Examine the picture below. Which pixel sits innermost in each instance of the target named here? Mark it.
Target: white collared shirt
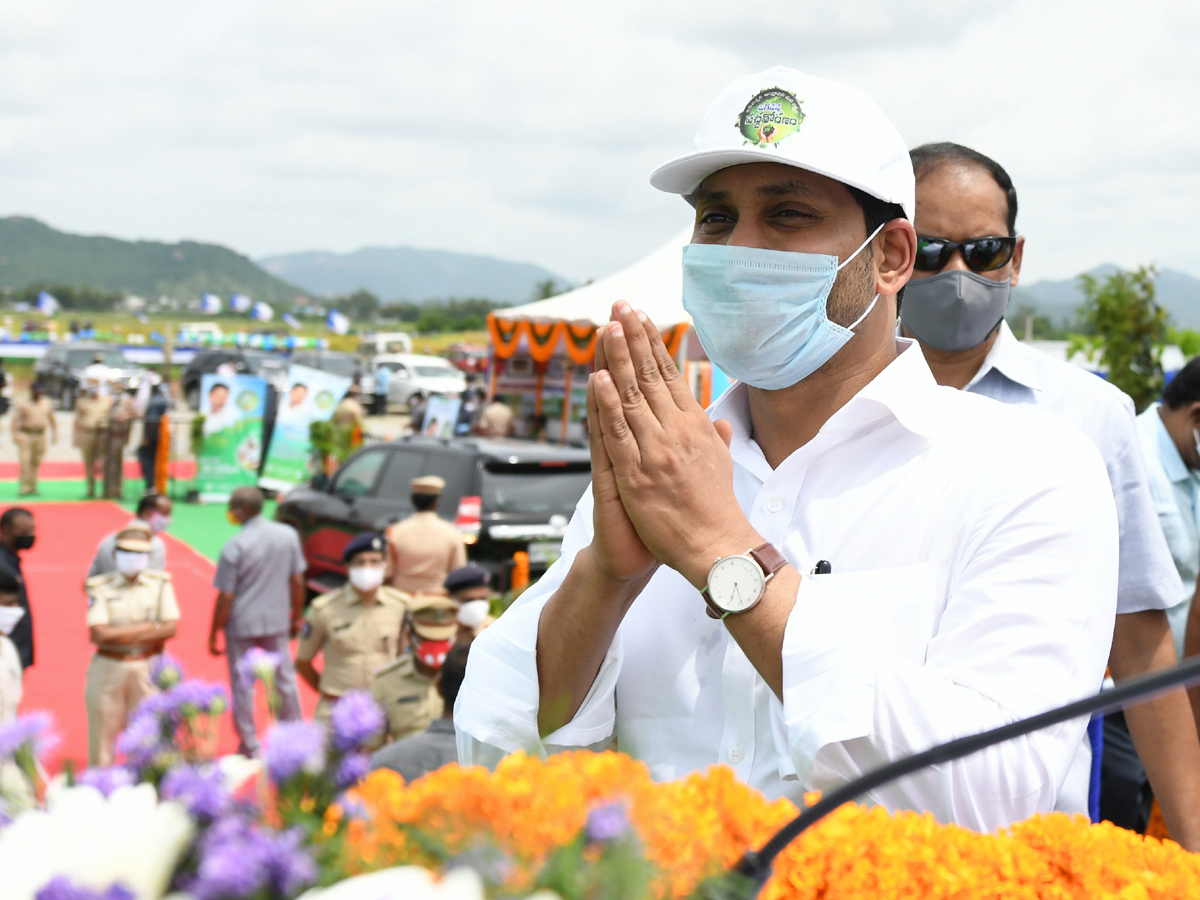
(1175, 490)
(973, 548)
(1017, 373)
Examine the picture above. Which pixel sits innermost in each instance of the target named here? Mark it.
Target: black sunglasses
(980, 254)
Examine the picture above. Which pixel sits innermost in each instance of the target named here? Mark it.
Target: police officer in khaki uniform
(120, 420)
(91, 431)
(131, 613)
(357, 627)
(424, 547)
(31, 417)
(407, 688)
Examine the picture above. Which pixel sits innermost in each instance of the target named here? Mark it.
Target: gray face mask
(954, 311)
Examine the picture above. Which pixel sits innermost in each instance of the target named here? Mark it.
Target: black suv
(61, 369)
(503, 495)
(245, 361)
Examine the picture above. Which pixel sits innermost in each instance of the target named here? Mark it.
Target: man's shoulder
(156, 576)
(1065, 385)
(103, 583)
(393, 597)
(329, 599)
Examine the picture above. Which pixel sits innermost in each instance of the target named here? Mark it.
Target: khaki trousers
(91, 447)
(113, 689)
(31, 448)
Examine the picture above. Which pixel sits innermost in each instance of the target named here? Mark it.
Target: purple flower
(61, 888)
(257, 663)
(607, 822)
(142, 738)
(202, 792)
(353, 769)
(29, 733)
(239, 860)
(356, 720)
(191, 698)
(293, 748)
(107, 780)
(166, 671)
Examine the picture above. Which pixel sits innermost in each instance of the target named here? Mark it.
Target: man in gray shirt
(154, 513)
(260, 603)
(434, 747)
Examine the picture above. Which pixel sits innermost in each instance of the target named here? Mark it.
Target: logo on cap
(769, 117)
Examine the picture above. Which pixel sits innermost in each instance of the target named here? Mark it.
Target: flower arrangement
(310, 822)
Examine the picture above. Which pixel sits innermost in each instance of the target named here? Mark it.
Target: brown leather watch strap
(769, 557)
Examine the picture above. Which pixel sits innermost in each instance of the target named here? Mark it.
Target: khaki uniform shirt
(348, 412)
(33, 415)
(496, 421)
(91, 413)
(113, 600)
(424, 550)
(357, 639)
(410, 699)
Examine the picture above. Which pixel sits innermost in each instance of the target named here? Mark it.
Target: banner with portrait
(311, 396)
(232, 430)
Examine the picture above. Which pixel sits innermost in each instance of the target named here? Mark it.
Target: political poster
(441, 414)
(311, 396)
(231, 450)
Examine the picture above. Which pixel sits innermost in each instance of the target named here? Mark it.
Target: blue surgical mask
(760, 314)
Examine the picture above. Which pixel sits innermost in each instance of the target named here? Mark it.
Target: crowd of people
(398, 629)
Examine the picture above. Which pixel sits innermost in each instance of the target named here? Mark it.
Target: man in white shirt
(968, 256)
(972, 545)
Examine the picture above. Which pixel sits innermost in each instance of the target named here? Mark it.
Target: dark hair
(929, 157)
(878, 212)
(248, 499)
(454, 670)
(147, 503)
(9, 583)
(219, 384)
(424, 502)
(11, 515)
(1184, 388)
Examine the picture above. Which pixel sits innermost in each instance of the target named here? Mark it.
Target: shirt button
(736, 753)
(774, 504)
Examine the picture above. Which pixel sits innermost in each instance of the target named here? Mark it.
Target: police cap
(427, 484)
(134, 539)
(434, 618)
(367, 542)
(468, 576)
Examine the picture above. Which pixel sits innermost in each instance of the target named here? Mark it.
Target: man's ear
(1018, 255)
(895, 252)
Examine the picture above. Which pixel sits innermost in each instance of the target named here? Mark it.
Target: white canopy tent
(653, 284)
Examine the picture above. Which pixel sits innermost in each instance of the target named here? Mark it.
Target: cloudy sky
(526, 130)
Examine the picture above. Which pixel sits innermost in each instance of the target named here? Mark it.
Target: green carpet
(203, 527)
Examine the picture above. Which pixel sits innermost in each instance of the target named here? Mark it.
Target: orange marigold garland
(529, 809)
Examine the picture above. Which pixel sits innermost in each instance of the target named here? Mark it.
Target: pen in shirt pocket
(823, 567)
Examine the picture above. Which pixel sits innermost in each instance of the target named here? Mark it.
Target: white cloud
(527, 129)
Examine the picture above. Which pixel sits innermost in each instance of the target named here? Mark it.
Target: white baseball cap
(785, 116)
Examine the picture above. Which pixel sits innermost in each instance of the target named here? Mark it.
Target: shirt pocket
(895, 609)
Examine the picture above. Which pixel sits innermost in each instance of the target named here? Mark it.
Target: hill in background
(32, 252)
(407, 273)
(1177, 292)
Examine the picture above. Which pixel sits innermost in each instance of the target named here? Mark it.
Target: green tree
(1128, 329)
(361, 306)
(1186, 340)
(544, 290)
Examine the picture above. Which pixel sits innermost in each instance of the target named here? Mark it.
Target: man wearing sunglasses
(968, 257)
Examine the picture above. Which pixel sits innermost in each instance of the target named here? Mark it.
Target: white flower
(237, 770)
(409, 882)
(96, 842)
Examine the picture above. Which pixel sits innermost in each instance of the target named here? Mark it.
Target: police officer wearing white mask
(972, 546)
(968, 258)
(131, 613)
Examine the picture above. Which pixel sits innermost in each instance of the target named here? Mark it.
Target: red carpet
(67, 537)
(72, 469)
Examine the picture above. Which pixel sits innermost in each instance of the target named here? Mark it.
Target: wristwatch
(736, 583)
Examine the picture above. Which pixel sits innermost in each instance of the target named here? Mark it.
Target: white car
(413, 373)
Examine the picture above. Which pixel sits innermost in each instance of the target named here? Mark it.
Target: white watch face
(735, 583)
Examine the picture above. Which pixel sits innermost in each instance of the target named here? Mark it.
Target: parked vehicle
(503, 495)
(346, 365)
(60, 369)
(469, 358)
(412, 373)
(377, 342)
(245, 362)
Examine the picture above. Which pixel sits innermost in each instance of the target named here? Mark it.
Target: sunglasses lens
(987, 254)
(930, 255)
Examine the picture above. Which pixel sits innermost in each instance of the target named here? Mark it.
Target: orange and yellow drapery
(543, 338)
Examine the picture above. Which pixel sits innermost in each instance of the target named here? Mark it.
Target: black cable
(751, 872)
